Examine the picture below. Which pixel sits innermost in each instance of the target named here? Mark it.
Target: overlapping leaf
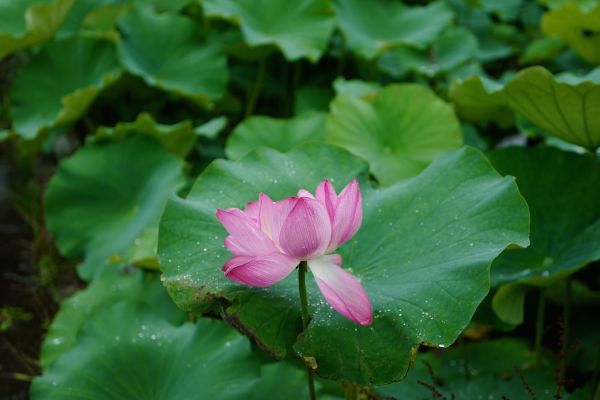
(450, 49)
(301, 29)
(164, 50)
(577, 25)
(479, 371)
(106, 195)
(28, 22)
(372, 27)
(79, 68)
(563, 106)
(422, 254)
(177, 138)
(399, 130)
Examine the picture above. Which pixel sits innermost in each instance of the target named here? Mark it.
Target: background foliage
(472, 126)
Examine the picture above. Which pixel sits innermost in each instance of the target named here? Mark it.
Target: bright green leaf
(301, 29)
(562, 190)
(80, 68)
(104, 196)
(400, 130)
(163, 49)
(278, 134)
(375, 26)
(422, 254)
(29, 22)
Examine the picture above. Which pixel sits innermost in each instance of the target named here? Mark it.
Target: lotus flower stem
(304, 304)
(539, 326)
(565, 331)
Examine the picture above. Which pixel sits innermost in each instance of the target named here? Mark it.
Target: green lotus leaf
(300, 29)
(211, 128)
(451, 48)
(278, 134)
(284, 381)
(163, 49)
(400, 130)
(104, 196)
(475, 101)
(507, 10)
(29, 22)
(578, 26)
(467, 372)
(128, 351)
(562, 106)
(80, 69)
(422, 254)
(508, 301)
(311, 98)
(177, 138)
(562, 190)
(84, 13)
(357, 88)
(372, 27)
(111, 286)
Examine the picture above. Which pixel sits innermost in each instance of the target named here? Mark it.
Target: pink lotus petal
(245, 239)
(265, 214)
(251, 210)
(348, 215)
(305, 193)
(273, 214)
(281, 210)
(341, 289)
(306, 231)
(261, 270)
(325, 193)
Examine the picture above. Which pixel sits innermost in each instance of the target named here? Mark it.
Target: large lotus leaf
(399, 130)
(560, 105)
(127, 351)
(112, 285)
(577, 26)
(479, 371)
(301, 29)
(279, 134)
(164, 50)
(104, 196)
(422, 254)
(79, 68)
(28, 22)
(562, 190)
(375, 26)
(177, 138)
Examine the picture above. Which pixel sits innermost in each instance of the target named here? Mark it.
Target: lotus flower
(270, 238)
